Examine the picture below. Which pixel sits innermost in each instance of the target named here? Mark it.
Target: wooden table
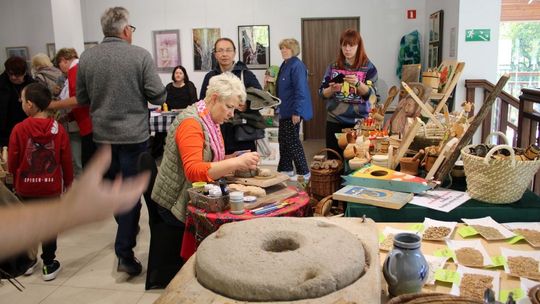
(492, 247)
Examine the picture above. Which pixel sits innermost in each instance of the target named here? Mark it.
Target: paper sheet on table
(440, 199)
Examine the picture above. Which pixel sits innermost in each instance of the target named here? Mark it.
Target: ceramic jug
(405, 268)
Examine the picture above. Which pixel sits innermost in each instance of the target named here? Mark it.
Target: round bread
(279, 259)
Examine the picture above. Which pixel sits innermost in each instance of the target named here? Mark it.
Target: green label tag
(516, 239)
(497, 261)
(444, 252)
(417, 227)
(466, 231)
(448, 276)
(518, 293)
(381, 237)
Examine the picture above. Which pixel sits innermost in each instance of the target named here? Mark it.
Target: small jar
(236, 200)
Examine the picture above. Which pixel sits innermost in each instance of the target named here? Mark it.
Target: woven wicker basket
(324, 182)
(497, 181)
(425, 298)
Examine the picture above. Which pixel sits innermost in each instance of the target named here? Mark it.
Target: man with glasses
(12, 81)
(225, 53)
(117, 79)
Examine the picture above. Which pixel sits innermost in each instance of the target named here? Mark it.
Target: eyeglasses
(132, 28)
(224, 51)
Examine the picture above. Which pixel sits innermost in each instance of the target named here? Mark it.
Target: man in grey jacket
(117, 79)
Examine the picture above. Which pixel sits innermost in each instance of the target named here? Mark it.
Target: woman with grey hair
(47, 74)
(293, 90)
(194, 151)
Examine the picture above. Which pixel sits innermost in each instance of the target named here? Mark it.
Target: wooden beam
(467, 137)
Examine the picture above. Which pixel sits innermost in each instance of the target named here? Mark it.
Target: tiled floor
(89, 267)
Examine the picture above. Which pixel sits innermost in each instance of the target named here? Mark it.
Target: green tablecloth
(525, 210)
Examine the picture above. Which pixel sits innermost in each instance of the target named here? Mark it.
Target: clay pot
(349, 151)
(430, 160)
(409, 165)
(346, 138)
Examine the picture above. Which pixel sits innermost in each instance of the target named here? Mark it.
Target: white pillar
(67, 24)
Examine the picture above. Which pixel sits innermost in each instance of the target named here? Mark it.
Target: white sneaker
(32, 268)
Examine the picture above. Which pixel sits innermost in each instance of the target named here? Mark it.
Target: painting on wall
(254, 42)
(51, 50)
(203, 45)
(166, 49)
(435, 39)
(20, 51)
(90, 44)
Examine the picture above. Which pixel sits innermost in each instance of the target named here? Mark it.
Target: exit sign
(478, 35)
(411, 14)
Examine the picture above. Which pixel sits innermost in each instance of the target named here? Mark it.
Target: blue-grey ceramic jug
(405, 268)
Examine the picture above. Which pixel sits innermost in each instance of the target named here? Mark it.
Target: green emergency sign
(478, 35)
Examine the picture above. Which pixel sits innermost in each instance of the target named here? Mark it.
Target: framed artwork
(435, 38)
(51, 50)
(166, 49)
(203, 48)
(20, 51)
(254, 46)
(90, 44)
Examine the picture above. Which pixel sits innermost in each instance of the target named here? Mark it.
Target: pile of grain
(436, 233)
(470, 257)
(523, 267)
(489, 233)
(531, 236)
(474, 285)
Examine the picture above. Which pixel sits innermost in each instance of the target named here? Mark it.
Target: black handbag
(247, 132)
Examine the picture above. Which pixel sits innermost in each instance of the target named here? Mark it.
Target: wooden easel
(467, 137)
(411, 133)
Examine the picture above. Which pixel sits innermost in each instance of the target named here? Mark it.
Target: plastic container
(236, 200)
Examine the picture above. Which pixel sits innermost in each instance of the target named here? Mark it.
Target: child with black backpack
(40, 161)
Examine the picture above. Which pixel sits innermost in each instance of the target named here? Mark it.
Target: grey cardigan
(117, 79)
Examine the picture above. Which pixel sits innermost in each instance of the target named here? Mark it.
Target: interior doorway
(320, 46)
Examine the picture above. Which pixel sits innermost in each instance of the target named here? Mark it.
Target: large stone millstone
(186, 288)
(279, 259)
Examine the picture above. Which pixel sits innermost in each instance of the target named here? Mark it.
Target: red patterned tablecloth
(200, 224)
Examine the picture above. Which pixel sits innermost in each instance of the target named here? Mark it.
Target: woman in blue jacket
(293, 90)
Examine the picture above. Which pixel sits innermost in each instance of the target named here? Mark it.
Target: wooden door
(320, 46)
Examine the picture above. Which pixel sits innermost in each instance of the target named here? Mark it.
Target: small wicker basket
(324, 182)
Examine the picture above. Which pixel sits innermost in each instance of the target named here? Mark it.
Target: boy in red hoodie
(40, 161)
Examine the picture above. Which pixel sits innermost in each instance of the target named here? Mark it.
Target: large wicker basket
(497, 181)
(428, 298)
(324, 182)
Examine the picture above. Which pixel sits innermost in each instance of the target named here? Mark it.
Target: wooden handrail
(507, 100)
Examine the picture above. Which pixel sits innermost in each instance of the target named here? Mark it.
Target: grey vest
(170, 188)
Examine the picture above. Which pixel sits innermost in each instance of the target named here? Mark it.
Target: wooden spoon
(392, 92)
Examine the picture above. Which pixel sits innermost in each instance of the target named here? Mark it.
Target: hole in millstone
(379, 173)
(281, 244)
(311, 274)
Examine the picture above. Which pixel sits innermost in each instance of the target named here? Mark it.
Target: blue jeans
(124, 161)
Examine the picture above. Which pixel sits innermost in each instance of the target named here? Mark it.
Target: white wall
(383, 22)
(25, 23)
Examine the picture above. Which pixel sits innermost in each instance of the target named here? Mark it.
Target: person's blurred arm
(91, 198)
(192, 92)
